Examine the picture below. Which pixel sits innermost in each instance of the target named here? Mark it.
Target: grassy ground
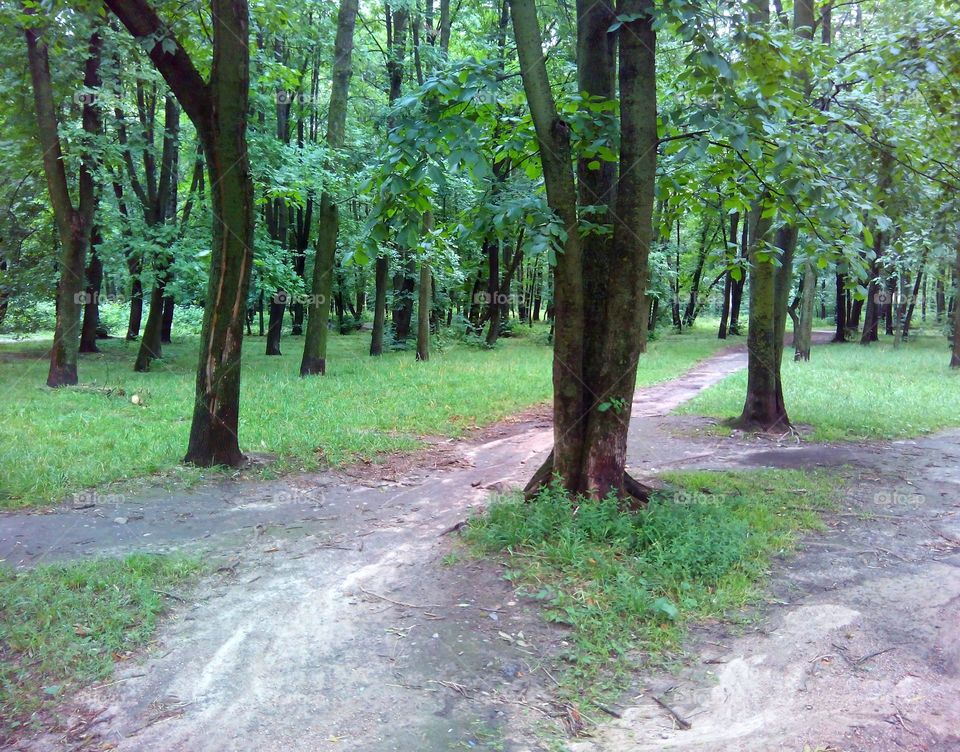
(850, 392)
(57, 442)
(628, 583)
(65, 624)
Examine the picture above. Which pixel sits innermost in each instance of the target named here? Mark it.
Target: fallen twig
(680, 720)
(391, 600)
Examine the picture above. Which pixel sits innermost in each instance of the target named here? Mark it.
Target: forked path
(338, 620)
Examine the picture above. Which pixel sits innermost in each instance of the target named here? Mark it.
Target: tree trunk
(595, 354)
(955, 353)
(218, 109)
(381, 272)
(278, 306)
(840, 335)
(166, 328)
(151, 347)
(136, 306)
(91, 308)
(423, 304)
(803, 334)
(74, 225)
(736, 292)
(314, 360)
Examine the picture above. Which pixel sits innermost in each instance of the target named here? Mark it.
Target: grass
(64, 624)
(55, 442)
(628, 583)
(850, 392)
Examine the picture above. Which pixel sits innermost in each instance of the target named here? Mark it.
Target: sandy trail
(336, 623)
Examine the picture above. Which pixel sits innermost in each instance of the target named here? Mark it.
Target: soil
(340, 616)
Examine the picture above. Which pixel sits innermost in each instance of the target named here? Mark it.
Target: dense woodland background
(806, 159)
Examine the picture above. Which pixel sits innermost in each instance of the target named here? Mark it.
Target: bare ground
(337, 620)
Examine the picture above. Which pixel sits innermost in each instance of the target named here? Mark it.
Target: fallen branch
(391, 600)
(680, 720)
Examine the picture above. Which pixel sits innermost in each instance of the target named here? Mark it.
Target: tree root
(633, 494)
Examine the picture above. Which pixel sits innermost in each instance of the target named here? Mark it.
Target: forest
(302, 249)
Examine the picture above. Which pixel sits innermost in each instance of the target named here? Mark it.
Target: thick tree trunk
(553, 136)
(595, 354)
(314, 360)
(278, 306)
(622, 333)
(763, 408)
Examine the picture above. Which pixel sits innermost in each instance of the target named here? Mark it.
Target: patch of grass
(850, 392)
(54, 442)
(627, 583)
(65, 624)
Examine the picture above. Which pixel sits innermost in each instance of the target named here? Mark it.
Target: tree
(74, 223)
(595, 356)
(315, 343)
(218, 110)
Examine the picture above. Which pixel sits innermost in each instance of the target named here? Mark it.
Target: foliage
(628, 582)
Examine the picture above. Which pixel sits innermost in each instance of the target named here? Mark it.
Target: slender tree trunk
(955, 352)
(151, 347)
(803, 335)
(91, 308)
(424, 302)
(840, 334)
(74, 224)
(315, 343)
(136, 306)
(381, 272)
(166, 327)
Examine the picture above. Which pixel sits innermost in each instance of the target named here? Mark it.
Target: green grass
(627, 583)
(54, 442)
(850, 392)
(65, 624)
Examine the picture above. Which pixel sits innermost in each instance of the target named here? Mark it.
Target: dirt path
(336, 622)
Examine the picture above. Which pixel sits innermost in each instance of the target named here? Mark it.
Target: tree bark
(314, 360)
(955, 352)
(74, 224)
(595, 355)
(91, 307)
(218, 109)
(424, 301)
(381, 272)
